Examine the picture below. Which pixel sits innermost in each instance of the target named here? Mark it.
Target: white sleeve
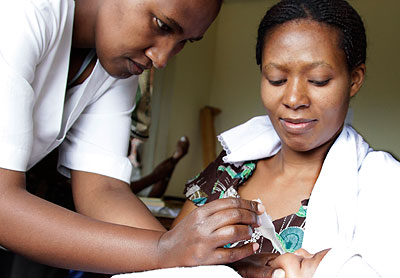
(22, 32)
(98, 141)
(373, 250)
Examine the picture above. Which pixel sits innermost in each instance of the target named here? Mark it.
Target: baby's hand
(300, 264)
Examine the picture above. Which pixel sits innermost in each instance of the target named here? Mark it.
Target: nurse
(68, 76)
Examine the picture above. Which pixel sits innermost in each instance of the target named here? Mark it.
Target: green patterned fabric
(222, 180)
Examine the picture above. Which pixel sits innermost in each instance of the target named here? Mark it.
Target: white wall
(221, 71)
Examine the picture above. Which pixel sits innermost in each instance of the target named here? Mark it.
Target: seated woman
(325, 189)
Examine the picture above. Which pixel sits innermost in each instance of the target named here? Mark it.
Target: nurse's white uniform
(91, 121)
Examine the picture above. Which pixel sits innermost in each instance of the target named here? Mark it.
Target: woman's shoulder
(218, 180)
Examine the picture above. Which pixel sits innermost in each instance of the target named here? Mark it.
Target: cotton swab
(267, 229)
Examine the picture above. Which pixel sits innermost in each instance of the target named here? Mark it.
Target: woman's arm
(55, 236)
(187, 208)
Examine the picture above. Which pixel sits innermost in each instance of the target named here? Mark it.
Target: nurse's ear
(357, 79)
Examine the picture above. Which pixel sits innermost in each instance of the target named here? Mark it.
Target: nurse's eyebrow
(175, 25)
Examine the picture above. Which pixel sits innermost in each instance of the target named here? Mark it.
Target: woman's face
(305, 85)
(133, 35)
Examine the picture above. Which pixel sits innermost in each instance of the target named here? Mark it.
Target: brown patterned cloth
(222, 180)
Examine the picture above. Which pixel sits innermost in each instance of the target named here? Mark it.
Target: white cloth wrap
(352, 206)
(185, 272)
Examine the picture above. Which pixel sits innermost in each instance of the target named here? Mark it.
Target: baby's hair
(335, 13)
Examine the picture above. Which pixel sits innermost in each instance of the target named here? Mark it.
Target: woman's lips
(298, 126)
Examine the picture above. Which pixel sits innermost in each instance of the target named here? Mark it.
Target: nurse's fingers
(231, 234)
(230, 255)
(233, 216)
(232, 203)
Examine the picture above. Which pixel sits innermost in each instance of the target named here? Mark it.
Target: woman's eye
(277, 82)
(162, 25)
(319, 83)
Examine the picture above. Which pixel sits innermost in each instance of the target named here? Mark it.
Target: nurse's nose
(296, 96)
(161, 53)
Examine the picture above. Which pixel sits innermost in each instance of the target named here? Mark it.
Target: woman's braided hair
(336, 13)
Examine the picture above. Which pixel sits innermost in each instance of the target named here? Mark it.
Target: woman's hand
(199, 238)
(255, 266)
(300, 264)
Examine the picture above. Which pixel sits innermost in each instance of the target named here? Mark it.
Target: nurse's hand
(198, 239)
(255, 266)
(300, 264)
